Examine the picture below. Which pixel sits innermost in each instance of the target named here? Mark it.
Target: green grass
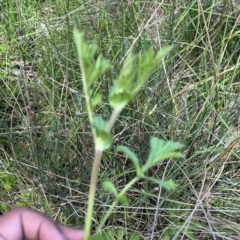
(46, 148)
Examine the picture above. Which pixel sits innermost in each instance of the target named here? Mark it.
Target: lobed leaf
(148, 64)
(161, 150)
(127, 75)
(133, 76)
(86, 54)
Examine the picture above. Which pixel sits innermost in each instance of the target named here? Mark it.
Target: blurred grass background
(46, 147)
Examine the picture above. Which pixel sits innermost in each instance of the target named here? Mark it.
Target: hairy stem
(94, 178)
(113, 119)
(93, 183)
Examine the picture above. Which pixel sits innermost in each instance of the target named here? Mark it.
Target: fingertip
(71, 234)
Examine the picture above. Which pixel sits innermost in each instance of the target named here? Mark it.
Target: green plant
(193, 97)
(7, 181)
(118, 234)
(134, 74)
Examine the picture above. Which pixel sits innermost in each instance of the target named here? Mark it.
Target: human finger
(71, 234)
(21, 223)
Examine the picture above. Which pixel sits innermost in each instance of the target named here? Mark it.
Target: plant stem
(107, 216)
(93, 183)
(124, 190)
(113, 119)
(127, 186)
(94, 177)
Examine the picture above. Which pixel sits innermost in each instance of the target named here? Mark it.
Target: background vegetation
(46, 148)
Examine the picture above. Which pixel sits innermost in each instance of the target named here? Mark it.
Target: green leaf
(129, 153)
(127, 75)
(108, 234)
(99, 123)
(91, 49)
(119, 100)
(127, 85)
(161, 150)
(81, 44)
(133, 236)
(109, 186)
(122, 90)
(96, 100)
(133, 157)
(123, 199)
(103, 139)
(100, 67)
(163, 52)
(97, 236)
(148, 64)
(169, 184)
(86, 53)
(120, 233)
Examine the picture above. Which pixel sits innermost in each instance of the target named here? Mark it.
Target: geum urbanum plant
(134, 74)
